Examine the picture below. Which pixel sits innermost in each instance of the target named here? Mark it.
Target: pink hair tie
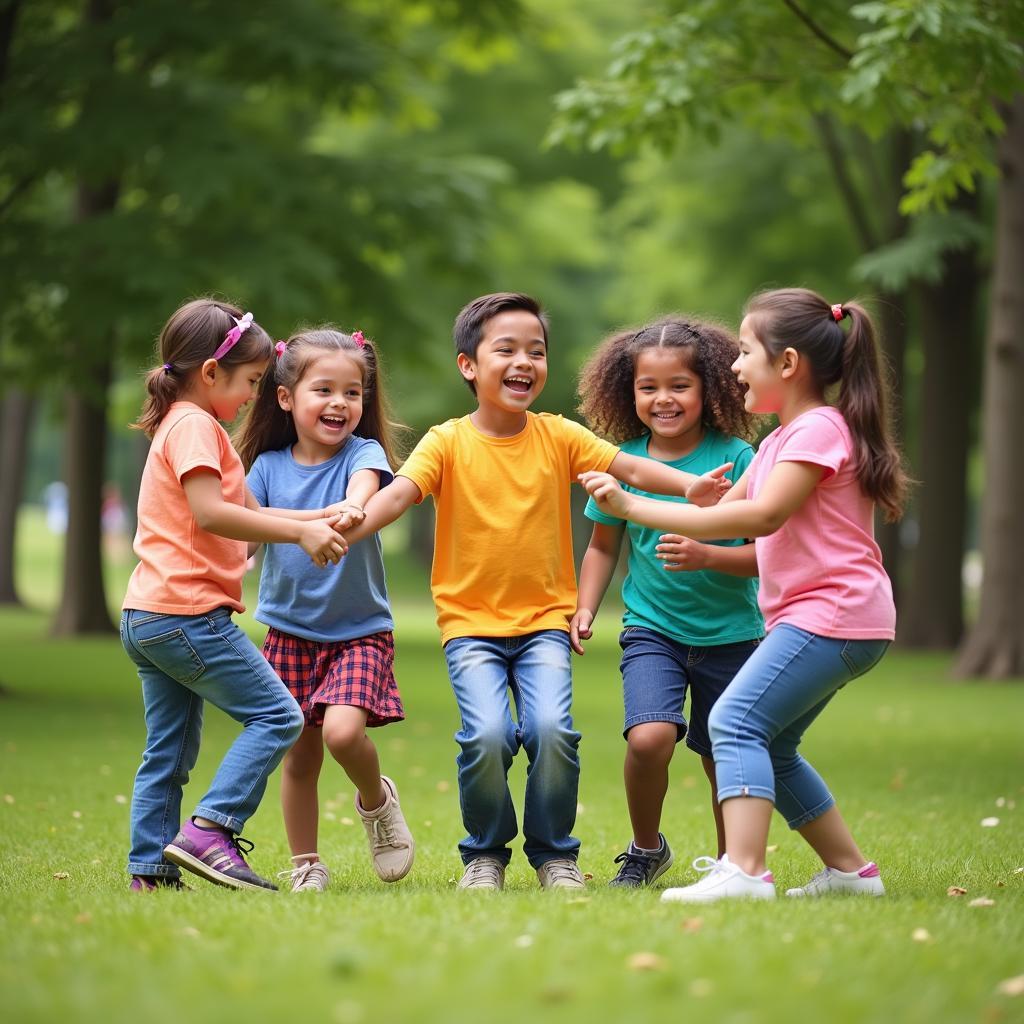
(279, 348)
(231, 338)
(837, 312)
(357, 337)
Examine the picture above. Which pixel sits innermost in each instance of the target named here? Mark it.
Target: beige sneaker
(483, 873)
(563, 873)
(307, 875)
(391, 845)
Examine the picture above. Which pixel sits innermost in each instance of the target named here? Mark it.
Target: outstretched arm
(680, 554)
(788, 486)
(385, 507)
(657, 478)
(595, 574)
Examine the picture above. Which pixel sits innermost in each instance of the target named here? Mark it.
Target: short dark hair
(469, 326)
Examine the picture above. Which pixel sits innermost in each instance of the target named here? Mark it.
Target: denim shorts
(657, 671)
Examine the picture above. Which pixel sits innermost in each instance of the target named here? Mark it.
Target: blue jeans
(536, 669)
(183, 661)
(758, 722)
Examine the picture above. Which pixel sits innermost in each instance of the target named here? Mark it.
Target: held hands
(605, 490)
(680, 554)
(709, 487)
(579, 629)
(351, 515)
(321, 541)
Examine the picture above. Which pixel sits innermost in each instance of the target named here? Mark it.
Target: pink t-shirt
(822, 570)
(184, 569)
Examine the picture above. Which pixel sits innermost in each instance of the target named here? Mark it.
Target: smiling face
(762, 378)
(511, 363)
(669, 398)
(233, 388)
(326, 404)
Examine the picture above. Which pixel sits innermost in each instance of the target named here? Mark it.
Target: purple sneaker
(216, 855)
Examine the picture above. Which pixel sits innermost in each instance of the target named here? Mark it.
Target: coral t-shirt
(184, 569)
(822, 570)
(503, 539)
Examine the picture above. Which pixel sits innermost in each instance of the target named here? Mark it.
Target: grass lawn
(916, 761)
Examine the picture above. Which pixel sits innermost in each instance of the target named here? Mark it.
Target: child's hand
(709, 487)
(579, 629)
(354, 513)
(605, 490)
(321, 541)
(680, 554)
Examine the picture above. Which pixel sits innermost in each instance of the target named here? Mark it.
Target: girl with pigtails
(808, 498)
(318, 435)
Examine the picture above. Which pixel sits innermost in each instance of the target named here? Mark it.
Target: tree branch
(8, 18)
(828, 40)
(847, 189)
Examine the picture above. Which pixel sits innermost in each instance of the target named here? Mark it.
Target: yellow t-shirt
(503, 540)
(184, 569)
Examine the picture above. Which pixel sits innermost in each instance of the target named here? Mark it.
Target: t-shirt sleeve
(370, 455)
(594, 512)
(586, 450)
(257, 481)
(425, 465)
(193, 443)
(817, 440)
(741, 463)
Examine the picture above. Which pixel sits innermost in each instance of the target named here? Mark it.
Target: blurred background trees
(378, 164)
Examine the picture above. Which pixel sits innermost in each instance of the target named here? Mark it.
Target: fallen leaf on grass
(61, 875)
(989, 822)
(1018, 871)
(982, 901)
(701, 987)
(192, 933)
(428, 824)
(83, 918)
(646, 962)
(921, 935)
(588, 876)
(347, 821)
(76, 814)
(120, 799)
(693, 924)
(772, 848)
(523, 941)
(1011, 986)
(1000, 884)
(956, 890)
(443, 786)
(8, 799)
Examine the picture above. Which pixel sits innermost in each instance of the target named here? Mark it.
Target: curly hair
(606, 380)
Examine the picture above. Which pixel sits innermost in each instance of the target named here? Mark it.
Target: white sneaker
(562, 873)
(391, 845)
(483, 873)
(866, 881)
(722, 881)
(307, 875)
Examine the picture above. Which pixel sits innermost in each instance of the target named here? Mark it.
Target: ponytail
(162, 387)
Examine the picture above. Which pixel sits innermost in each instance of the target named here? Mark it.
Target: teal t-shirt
(701, 608)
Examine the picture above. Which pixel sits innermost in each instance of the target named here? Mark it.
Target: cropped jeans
(758, 722)
(184, 661)
(536, 670)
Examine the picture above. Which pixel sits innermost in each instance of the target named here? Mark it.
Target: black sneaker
(641, 869)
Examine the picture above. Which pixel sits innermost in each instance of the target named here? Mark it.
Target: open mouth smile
(521, 385)
(333, 422)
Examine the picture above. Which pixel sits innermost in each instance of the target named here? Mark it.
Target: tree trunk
(932, 613)
(994, 647)
(15, 424)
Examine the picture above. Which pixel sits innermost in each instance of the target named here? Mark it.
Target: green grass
(916, 761)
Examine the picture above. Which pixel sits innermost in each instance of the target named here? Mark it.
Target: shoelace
(818, 882)
(311, 868)
(481, 869)
(706, 864)
(237, 847)
(383, 829)
(635, 866)
(563, 870)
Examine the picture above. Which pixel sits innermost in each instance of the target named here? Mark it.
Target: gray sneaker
(307, 875)
(641, 869)
(391, 845)
(563, 873)
(483, 873)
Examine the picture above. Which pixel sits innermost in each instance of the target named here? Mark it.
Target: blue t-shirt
(702, 608)
(339, 602)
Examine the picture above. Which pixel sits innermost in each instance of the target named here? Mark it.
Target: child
(195, 517)
(808, 497)
(319, 432)
(666, 392)
(504, 585)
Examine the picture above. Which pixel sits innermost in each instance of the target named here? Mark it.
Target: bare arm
(595, 574)
(680, 554)
(385, 507)
(657, 478)
(206, 500)
(788, 486)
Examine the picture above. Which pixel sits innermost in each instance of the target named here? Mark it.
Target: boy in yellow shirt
(504, 584)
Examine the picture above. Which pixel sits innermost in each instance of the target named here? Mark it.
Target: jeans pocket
(173, 654)
(863, 655)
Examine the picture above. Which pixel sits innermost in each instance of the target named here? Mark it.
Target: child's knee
(653, 742)
(549, 733)
(489, 741)
(341, 737)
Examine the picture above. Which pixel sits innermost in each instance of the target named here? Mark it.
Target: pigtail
(162, 388)
(864, 402)
(266, 426)
(376, 422)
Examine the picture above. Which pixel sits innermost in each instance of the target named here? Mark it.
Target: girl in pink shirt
(808, 499)
(196, 516)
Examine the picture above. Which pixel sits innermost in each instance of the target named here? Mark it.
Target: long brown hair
(268, 427)
(190, 337)
(801, 319)
(606, 380)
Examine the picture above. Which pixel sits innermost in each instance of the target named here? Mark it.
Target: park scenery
(374, 167)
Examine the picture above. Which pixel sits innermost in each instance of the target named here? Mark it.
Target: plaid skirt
(358, 672)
